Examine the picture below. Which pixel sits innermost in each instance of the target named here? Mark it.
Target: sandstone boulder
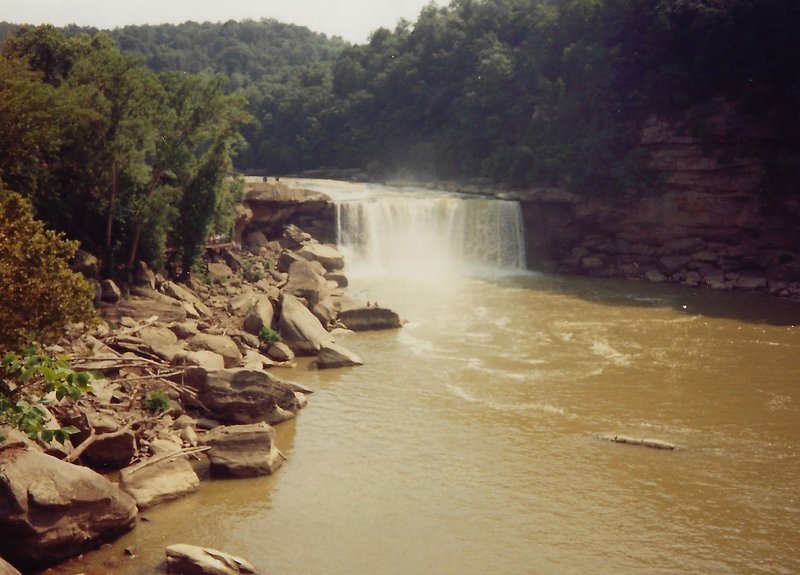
(202, 358)
(260, 315)
(300, 330)
(185, 559)
(186, 295)
(333, 355)
(51, 510)
(110, 291)
(370, 318)
(143, 275)
(326, 254)
(240, 395)
(165, 476)
(219, 272)
(242, 450)
(307, 281)
(279, 351)
(161, 340)
(219, 344)
(7, 568)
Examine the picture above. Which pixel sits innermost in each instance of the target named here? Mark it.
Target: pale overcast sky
(353, 20)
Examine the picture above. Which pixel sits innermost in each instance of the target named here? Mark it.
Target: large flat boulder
(300, 329)
(185, 559)
(326, 254)
(161, 478)
(51, 510)
(219, 344)
(240, 395)
(242, 450)
(370, 318)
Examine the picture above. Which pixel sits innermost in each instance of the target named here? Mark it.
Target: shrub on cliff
(39, 294)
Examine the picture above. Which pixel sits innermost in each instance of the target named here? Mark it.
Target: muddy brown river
(467, 443)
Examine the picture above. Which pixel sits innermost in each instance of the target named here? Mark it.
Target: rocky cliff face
(269, 206)
(709, 222)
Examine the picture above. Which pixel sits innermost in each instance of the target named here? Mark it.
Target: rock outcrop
(51, 510)
(712, 221)
(242, 450)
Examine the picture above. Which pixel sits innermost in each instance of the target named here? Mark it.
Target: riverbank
(190, 370)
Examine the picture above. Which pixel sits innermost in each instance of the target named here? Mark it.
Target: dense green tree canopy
(107, 149)
(531, 92)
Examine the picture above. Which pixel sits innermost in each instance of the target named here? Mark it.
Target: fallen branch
(93, 437)
(185, 452)
(652, 443)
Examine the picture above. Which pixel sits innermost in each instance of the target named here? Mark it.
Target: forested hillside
(526, 92)
(129, 162)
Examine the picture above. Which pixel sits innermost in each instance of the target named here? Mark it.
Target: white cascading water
(431, 236)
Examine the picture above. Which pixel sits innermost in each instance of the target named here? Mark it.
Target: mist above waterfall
(430, 235)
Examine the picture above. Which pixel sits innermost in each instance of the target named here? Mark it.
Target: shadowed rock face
(51, 510)
(712, 212)
(241, 395)
(273, 205)
(370, 318)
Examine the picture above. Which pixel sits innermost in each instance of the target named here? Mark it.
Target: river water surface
(467, 443)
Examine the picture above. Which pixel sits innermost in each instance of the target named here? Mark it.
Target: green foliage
(39, 294)
(269, 335)
(156, 402)
(111, 152)
(29, 381)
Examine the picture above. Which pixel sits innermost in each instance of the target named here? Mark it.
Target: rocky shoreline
(184, 370)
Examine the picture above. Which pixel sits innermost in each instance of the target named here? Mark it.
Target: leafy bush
(29, 380)
(269, 335)
(156, 402)
(39, 294)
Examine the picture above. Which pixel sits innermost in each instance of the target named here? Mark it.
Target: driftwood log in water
(652, 443)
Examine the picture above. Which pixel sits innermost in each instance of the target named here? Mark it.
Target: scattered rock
(279, 351)
(260, 315)
(110, 292)
(333, 355)
(219, 344)
(192, 560)
(143, 275)
(307, 281)
(326, 254)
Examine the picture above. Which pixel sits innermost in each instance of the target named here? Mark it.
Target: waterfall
(431, 235)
